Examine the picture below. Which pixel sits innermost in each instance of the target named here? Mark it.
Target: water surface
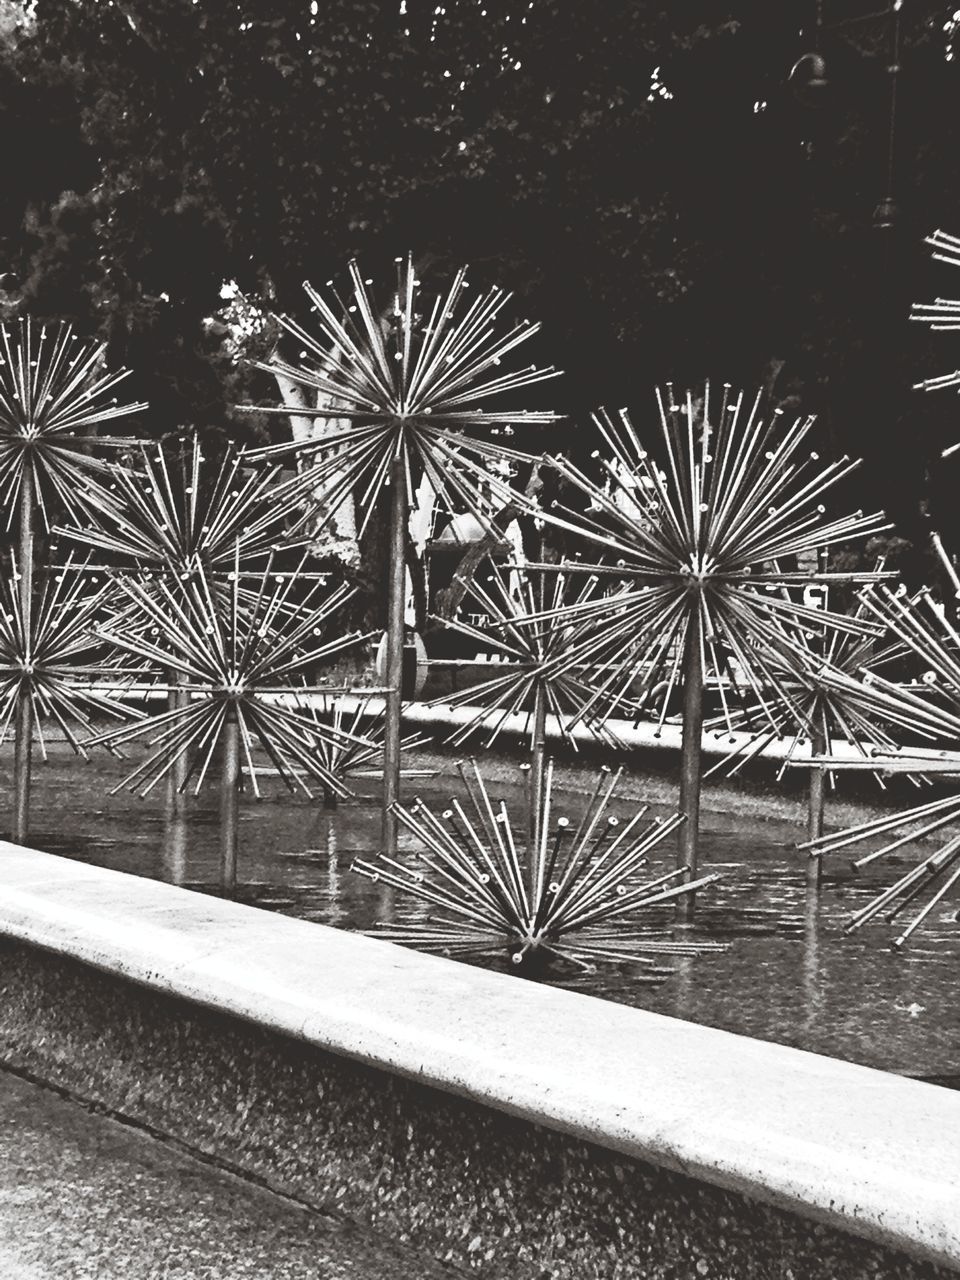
(790, 974)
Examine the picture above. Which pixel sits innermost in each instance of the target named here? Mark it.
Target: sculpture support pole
(815, 806)
(690, 773)
(538, 753)
(229, 803)
(396, 587)
(23, 731)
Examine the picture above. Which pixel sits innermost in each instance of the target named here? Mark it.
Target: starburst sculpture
(700, 541)
(53, 390)
(941, 316)
(410, 378)
(240, 665)
(544, 664)
(925, 630)
(577, 894)
(543, 667)
(52, 658)
(176, 511)
(173, 512)
(834, 703)
(413, 380)
(349, 735)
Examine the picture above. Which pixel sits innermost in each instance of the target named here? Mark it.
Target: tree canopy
(644, 176)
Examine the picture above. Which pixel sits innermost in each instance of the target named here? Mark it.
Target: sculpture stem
(23, 730)
(688, 848)
(538, 751)
(396, 586)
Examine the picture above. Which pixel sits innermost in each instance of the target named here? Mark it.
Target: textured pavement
(82, 1195)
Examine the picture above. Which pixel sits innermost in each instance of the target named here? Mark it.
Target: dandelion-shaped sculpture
(942, 316)
(410, 379)
(173, 511)
(242, 664)
(349, 740)
(575, 893)
(701, 541)
(544, 665)
(833, 703)
(54, 390)
(50, 658)
(929, 634)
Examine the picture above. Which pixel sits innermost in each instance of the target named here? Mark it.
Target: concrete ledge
(859, 1150)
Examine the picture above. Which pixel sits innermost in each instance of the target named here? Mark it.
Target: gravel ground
(83, 1196)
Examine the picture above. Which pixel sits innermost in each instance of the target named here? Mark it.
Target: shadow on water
(789, 973)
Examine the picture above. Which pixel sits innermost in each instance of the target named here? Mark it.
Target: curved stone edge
(873, 1154)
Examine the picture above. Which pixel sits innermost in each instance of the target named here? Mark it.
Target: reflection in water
(685, 976)
(174, 850)
(334, 909)
(812, 995)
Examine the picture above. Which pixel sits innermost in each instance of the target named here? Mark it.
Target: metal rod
(23, 731)
(690, 780)
(538, 751)
(229, 803)
(394, 653)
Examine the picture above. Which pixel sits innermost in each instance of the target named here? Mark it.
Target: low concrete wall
(524, 1130)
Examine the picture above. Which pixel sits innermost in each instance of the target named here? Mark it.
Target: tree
(645, 179)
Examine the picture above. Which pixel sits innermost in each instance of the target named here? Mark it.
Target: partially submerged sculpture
(577, 892)
(925, 630)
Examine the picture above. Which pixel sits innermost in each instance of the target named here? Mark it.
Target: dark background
(152, 149)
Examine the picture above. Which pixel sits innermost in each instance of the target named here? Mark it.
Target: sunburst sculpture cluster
(574, 894)
(924, 629)
(54, 392)
(699, 542)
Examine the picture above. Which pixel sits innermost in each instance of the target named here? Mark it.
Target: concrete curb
(860, 1150)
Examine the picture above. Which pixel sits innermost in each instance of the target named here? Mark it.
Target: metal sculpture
(240, 665)
(941, 316)
(920, 625)
(832, 700)
(173, 510)
(574, 893)
(409, 379)
(544, 666)
(700, 541)
(349, 737)
(54, 391)
(49, 658)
